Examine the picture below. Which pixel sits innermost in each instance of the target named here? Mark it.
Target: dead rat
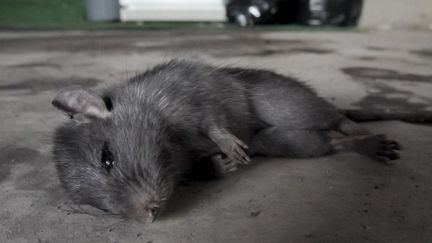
(125, 150)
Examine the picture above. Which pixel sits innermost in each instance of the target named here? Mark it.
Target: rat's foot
(224, 164)
(377, 147)
(230, 145)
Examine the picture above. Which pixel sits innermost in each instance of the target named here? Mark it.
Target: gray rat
(124, 150)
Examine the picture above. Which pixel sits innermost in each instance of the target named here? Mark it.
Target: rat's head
(111, 156)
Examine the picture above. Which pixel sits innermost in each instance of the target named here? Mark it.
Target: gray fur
(162, 121)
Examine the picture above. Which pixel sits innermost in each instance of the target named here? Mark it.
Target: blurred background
(124, 14)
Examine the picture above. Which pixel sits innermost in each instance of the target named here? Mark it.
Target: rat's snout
(145, 214)
(143, 209)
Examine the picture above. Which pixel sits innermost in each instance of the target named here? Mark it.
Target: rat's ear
(81, 104)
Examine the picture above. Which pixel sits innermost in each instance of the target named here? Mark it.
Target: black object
(249, 12)
(310, 12)
(330, 12)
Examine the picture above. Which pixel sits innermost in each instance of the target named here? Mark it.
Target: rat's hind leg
(360, 140)
(376, 147)
(279, 141)
(351, 128)
(283, 102)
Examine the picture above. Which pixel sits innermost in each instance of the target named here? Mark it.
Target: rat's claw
(242, 156)
(241, 143)
(234, 148)
(395, 145)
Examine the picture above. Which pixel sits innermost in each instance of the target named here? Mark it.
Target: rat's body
(126, 150)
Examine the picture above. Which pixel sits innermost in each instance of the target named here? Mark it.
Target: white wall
(385, 14)
(172, 10)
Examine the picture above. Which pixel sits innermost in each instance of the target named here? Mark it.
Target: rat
(125, 149)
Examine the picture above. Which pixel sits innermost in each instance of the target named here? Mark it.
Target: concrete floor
(339, 198)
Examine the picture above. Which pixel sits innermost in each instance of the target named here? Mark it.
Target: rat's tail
(382, 115)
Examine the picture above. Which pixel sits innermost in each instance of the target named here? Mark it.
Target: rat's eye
(107, 158)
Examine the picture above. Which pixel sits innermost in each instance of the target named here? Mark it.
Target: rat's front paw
(234, 149)
(224, 164)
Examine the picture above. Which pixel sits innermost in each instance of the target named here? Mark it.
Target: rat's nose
(143, 208)
(152, 212)
(144, 214)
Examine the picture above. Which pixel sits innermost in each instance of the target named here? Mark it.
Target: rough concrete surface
(338, 198)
